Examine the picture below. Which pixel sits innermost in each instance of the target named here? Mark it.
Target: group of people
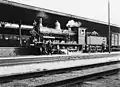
(46, 47)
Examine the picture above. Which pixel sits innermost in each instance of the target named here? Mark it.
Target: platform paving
(57, 55)
(37, 67)
(22, 60)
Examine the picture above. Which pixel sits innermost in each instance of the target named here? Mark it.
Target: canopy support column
(39, 30)
(20, 34)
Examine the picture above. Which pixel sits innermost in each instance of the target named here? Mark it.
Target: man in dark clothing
(49, 48)
(44, 48)
(103, 47)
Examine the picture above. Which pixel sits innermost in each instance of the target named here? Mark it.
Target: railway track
(81, 81)
(32, 77)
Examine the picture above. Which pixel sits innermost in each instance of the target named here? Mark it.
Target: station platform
(31, 59)
(39, 67)
(59, 55)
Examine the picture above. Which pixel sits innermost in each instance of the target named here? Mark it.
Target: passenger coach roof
(14, 12)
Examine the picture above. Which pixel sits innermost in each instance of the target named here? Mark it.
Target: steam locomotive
(71, 39)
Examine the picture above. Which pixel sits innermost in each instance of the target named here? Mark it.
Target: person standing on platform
(103, 47)
(49, 47)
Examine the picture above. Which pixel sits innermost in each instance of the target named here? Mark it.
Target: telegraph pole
(109, 27)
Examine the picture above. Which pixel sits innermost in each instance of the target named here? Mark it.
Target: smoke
(72, 23)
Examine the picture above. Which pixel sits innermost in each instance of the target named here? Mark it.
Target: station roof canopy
(13, 12)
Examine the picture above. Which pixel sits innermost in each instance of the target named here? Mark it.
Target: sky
(93, 9)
